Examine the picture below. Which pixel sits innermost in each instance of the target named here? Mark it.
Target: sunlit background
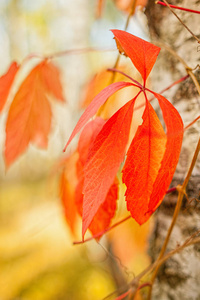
(37, 256)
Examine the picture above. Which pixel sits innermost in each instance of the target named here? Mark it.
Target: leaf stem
(99, 234)
(179, 7)
(164, 90)
(181, 190)
(118, 71)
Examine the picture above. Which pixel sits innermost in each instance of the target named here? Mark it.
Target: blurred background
(37, 257)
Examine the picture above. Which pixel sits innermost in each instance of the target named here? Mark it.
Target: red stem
(102, 232)
(190, 124)
(99, 234)
(122, 296)
(178, 7)
(118, 71)
(171, 190)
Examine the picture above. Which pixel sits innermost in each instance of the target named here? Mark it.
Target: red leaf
(99, 100)
(175, 131)
(143, 54)
(88, 136)
(143, 162)
(107, 210)
(104, 159)
(6, 82)
(29, 117)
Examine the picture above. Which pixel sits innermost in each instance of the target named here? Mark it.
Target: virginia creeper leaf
(175, 131)
(143, 54)
(88, 136)
(104, 159)
(29, 117)
(143, 162)
(107, 209)
(99, 100)
(6, 82)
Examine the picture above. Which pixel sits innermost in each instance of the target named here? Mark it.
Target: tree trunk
(179, 277)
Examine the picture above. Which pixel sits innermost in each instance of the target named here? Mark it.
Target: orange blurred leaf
(68, 182)
(29, 117)
(6, 82)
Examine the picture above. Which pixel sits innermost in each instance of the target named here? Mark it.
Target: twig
(187, 68)
(178, 7)
(167, 4)
(192, 240)
(181, 190)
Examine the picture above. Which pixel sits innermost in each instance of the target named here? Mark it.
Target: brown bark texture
(179, 277)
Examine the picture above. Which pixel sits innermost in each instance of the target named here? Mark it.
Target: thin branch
(167, 4)
(179, 7)
(187, 68)
(191, 123)
(192, 240)
(67, 52)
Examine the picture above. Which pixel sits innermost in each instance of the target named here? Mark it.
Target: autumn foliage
(89, 182)
(151, 157)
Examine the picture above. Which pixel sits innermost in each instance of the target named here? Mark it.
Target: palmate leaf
(29, 116)
(153, 154)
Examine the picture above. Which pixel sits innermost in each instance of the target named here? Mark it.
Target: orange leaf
(98, 82)
(51, 78)
(127, 5)
(6, 82)
(143, 162)
(99, 9)
(104, 159)
(143, 54)
(29, 117)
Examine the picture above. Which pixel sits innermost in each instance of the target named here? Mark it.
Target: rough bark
(179, 277)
